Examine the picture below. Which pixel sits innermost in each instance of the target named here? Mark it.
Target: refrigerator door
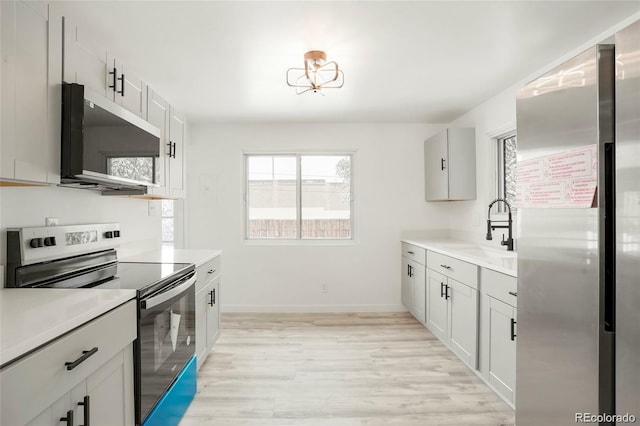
(628, 220)
(559, 309)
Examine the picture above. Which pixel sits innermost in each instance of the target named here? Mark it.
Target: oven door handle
(167, 295)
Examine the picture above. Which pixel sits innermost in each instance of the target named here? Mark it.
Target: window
(168, 223)
(301, 197)
(507, 146)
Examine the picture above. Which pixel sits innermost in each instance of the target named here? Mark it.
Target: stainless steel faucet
(491, 227)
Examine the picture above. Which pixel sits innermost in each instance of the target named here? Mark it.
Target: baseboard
(311, 308)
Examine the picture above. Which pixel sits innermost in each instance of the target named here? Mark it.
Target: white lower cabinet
(452, 315)
(41, 390)
(498, 333)
(207, 308)
(413, 281)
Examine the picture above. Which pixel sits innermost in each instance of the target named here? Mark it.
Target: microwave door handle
(167, 295)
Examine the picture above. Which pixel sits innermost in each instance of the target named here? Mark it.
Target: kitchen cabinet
(177, 129)
(498, 332)
(413, 281)
(450, 165)
(86, 374)
(208, 279)
(30, 109)
(158, 113)
(86, 61)
(452, 309)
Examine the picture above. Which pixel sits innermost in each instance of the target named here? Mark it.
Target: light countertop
(170, 255)
(29, 318)
(498, 260)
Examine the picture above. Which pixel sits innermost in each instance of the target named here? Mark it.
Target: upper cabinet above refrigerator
(450, 165)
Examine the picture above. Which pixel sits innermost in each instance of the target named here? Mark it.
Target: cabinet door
(158, 115)
(437, 315)
(110, 391)
(213, 313)
(502, 349)
(406, 285)
(418, 283)
(86, 61)
(28, 151)
(436, 164)
(131, 91)
(463, 322)
(176, 172)
(202, 305)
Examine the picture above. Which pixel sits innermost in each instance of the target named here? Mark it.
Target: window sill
(283, 242)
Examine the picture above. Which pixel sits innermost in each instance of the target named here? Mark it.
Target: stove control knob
(50, 241)
(108, 234)
(116, 234)
(36, 242)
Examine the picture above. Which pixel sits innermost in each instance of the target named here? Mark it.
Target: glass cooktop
(146, 276)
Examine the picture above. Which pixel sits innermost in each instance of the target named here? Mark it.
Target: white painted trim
(311, 308)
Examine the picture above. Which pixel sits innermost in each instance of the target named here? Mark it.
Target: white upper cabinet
(450, 165)
(86, 61)
(131, 90)
(177, 130)
(30, 110)
(158, 113)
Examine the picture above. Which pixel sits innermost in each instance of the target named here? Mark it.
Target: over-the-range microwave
(105, 146)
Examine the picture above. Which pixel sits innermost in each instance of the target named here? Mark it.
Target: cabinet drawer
(499, 286)
(35, 382)
(466, 273)
(414, 253)
(207, 272)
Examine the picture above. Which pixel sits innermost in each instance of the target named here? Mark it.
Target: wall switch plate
(51, 221)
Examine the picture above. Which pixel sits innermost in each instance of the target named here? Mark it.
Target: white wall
(389, 198)
(29, 206)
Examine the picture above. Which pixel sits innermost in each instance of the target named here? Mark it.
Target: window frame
(298, 154)
(171, 243)
(500, 169)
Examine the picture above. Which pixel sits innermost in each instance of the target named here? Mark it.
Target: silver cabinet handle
(446, 266)
(514, 293)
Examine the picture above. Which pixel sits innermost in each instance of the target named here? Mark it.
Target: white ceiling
(419, 61)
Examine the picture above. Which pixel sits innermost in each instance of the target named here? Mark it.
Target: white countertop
(30, 317)
(502, 261)
(170, 255)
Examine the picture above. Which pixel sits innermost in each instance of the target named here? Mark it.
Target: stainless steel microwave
(105, 146)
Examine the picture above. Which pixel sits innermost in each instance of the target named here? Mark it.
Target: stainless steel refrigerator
(578, 331)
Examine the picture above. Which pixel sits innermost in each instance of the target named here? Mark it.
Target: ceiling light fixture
(316, 75)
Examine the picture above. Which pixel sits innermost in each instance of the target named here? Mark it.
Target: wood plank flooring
(373, 369)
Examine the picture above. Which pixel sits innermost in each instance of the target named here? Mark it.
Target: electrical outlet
(154, 209)
(325, 288)
(51, 221)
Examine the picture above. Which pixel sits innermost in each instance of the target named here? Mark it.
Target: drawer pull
(410, 252)
(212, 299)
(83, 358)
(87, 413)
(68, 419)
(441, 289)
(446, 266)
(211, 271)
(513, 329)
(446, 292)
(514, 293)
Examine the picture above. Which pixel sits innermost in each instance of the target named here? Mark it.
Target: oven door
(166, 341)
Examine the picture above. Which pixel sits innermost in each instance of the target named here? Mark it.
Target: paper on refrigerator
(566, 179)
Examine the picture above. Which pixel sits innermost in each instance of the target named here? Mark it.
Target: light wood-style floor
(378, 369)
